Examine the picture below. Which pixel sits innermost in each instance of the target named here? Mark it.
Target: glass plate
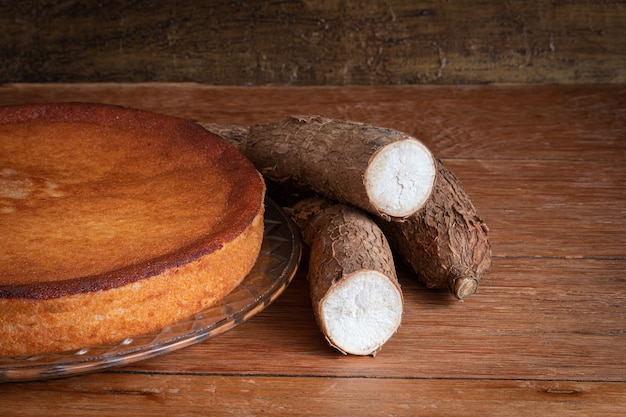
(272, 273)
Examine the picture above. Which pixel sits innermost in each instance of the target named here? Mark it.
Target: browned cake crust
(116, 222)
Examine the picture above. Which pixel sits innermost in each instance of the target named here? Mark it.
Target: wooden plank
(544, 165)
(143, 395)
(549, 319)
(471, 122)
(316, 43)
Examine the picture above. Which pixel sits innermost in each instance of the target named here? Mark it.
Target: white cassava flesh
(361, 312)
(400, 177)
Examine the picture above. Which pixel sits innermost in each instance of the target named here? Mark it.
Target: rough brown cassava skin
(315, 153)
(236, 135)
(343, 241)
(445, 243)
(304, 212)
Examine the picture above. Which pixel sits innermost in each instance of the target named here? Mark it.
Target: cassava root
(355, 293)
(445, 242)
(382, 171)
(442, 239)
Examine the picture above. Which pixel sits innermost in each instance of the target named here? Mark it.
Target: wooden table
(546, 334)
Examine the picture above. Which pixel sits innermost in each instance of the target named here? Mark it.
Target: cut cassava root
(382, 171)
(443, 240)
(355, 293)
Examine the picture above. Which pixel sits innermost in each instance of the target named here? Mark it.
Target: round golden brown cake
(116, 222)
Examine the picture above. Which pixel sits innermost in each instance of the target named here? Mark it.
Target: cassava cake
(116, 222)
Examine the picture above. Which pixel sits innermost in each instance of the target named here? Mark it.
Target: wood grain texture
(546, 168)
(193, 395)
(348, 42)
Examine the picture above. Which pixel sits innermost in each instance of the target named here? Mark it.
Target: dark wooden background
(344, 42)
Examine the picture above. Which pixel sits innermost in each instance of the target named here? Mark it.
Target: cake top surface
(96, 196)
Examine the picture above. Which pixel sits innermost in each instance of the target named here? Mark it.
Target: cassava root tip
(464, 287)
